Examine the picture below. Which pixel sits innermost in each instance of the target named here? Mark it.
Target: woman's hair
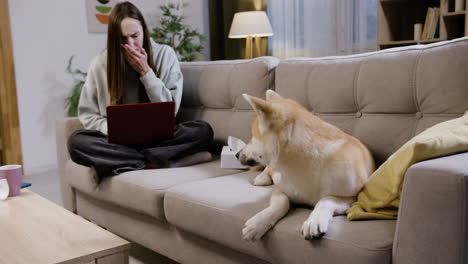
(115, 58)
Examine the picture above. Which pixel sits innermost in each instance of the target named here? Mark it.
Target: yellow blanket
(380, 197)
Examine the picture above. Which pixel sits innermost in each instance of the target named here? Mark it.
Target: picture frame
(97, 14)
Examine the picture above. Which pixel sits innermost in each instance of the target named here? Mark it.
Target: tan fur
(310, 161)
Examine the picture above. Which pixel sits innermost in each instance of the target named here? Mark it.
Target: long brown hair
(115, 58)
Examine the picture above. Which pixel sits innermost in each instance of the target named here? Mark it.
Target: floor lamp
(249, 25)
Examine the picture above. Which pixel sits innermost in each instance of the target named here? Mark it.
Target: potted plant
(79, 77)
(174, 32)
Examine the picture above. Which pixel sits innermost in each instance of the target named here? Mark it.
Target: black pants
(92, 149)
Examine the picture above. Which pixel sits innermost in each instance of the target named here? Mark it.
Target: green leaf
(71, 102)
(175, 32)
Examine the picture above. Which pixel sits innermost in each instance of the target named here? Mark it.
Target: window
(312, 28)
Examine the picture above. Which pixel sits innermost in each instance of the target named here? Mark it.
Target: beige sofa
(195, 214)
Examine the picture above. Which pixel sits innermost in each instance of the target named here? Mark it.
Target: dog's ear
(272, 95)
(263, 110)
(260, 106)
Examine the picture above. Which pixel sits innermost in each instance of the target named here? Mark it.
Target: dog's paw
(315, 226)
(255, 228)
(263, 179)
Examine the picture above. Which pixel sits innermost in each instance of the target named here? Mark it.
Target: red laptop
(138, 124)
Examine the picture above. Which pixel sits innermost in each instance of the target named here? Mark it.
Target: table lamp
(248, 25)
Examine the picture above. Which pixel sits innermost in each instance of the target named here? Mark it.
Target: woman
(133, 69)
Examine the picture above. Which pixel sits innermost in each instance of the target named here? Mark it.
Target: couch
(195, 214)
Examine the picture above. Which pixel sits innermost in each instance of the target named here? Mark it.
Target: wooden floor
(47, 185)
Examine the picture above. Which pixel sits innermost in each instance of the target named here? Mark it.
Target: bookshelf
(396, 19)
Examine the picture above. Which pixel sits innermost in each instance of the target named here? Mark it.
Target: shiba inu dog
(312, 162)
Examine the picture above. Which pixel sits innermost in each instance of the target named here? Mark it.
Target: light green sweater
(95, 93)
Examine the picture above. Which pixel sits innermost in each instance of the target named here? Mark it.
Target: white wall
(45, 34)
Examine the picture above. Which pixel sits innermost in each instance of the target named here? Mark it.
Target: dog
(309, 161)
(265, 178)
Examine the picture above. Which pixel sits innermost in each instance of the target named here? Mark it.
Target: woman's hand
(137, 58)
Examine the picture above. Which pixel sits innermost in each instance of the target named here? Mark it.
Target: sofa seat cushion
(143, 190)
(217, 209)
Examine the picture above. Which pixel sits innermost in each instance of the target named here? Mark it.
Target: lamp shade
(251, 23)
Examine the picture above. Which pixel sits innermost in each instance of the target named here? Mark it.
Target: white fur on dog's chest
(304, 190)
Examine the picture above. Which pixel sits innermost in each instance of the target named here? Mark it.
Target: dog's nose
(237, 155)
(250, 162)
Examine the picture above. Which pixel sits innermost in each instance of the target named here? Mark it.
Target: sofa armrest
(64, 128)
(433, 216)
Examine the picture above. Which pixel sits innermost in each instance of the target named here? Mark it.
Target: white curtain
(313, 28)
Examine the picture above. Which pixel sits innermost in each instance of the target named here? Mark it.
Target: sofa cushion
(393, 93)
(142, 191)
(213, 89)
(380, 197)
(217, 209)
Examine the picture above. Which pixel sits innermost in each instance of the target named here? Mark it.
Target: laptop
(140, 124)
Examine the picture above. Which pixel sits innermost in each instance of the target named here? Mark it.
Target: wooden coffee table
(35, 230)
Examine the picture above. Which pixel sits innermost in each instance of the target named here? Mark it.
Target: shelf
(455, 24)
(409, 42)
(398, 42)
(430, 40)
(452, 14)
(397, 19)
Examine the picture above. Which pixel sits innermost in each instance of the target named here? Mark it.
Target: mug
(14, 175)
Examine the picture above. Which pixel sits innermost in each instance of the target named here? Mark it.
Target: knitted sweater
(95, 93)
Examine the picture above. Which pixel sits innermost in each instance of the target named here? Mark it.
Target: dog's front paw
(315, 226)
(263, 179)
(255, 228)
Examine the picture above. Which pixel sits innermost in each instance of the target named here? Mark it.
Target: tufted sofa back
(213, 92)
(384, 98)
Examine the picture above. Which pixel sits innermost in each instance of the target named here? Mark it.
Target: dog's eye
(260, 156)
